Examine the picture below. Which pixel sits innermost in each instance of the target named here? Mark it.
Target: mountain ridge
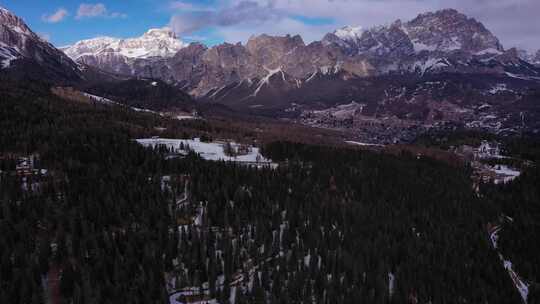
(441, 41)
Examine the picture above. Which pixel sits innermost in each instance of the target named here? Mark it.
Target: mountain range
(441, 67)
(433, 42)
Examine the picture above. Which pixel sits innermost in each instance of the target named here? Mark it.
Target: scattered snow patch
(500, 87)
(356, 143)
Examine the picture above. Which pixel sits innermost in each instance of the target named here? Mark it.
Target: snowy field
(209, 151)
(505, 174)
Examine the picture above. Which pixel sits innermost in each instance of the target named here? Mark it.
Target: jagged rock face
(204, 69)
(186, 66)
(273, 52)
(449, 30)
(20, 48)
(429, 43)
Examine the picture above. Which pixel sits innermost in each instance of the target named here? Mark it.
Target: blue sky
(214, 21)
(127, 18)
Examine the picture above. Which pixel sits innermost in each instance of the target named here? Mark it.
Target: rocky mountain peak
(274, 44)
(10, 20)
(449, 30)
(349, 32)
(18, 43)
(161, 42)
(442, 31)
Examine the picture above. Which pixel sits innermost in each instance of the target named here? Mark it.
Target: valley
(389, 164)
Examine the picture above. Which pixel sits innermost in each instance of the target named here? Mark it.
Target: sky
(64, 22)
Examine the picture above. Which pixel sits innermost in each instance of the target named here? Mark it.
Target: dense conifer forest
(100, 219)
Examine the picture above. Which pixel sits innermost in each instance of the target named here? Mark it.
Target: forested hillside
(89, 216)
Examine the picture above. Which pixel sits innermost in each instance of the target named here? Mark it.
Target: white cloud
(246, 12)
(183, 6)
(56, 17)
(87, 10)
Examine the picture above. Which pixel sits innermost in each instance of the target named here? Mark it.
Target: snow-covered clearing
(505, 174)
(185, 117)
(210, 150)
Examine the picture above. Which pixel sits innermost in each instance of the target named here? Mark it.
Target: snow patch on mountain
(500, 87)
(266, 80)
(7, 55)
(349, 32)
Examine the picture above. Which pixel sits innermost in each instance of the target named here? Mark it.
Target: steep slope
(23, 54)
(150, 94)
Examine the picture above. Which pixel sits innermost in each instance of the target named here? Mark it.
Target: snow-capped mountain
(127, 56)
(154, 43)
(532, 58)
(442, 31)
(442, 41)
(22, 49)
(350, 33)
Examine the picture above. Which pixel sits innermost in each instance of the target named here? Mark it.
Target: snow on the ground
(209, 151)
(100, 99)
(391, 284)
(521, 286)
(356, 143)
(507, 174)
(500, 87)
(185, 117)
(494, 237)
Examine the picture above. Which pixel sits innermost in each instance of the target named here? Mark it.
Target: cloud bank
(56, 17)
(96, 10)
